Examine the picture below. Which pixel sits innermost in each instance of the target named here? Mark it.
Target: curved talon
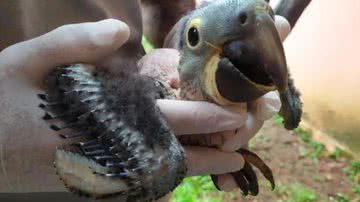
(241, 182)
(246, 173)
(258, 163)
(214, 178)
(251, 177)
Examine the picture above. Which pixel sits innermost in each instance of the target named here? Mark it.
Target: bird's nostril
(243, 18)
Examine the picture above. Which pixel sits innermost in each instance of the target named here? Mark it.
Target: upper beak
(272, 54)
(253, 65)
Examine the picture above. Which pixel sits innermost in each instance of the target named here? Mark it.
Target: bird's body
(121, 143)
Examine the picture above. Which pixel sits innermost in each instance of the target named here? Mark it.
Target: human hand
(26, 144)
(85, 42)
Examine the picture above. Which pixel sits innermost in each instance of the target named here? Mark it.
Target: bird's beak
(248, 67)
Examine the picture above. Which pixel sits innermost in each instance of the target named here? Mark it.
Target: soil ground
(285, 152)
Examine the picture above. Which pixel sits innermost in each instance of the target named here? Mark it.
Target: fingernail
(283, 27)
(267, 106)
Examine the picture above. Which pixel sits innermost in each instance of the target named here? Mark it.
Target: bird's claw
(246, 178)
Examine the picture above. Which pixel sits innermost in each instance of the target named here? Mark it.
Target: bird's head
(231, 52)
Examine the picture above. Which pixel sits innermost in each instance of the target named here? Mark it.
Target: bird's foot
(246, 178)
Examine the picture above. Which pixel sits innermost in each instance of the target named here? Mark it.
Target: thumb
(84, 42)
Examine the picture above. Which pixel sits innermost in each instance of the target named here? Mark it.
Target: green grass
(353, 170)
(356, 190)
(340, 198)
(278, 120)
(300, 193)
(296, 193)
(336, 154)
(304, 135)
(194, 189)
(280, 189)
(146, 45)
(317, 149)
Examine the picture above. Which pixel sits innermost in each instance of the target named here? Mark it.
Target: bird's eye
(193, 36)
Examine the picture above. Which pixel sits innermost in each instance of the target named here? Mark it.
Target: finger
(226, 182)
(204, 161)
(283, 26)
(230, 140)
(234, 141)
(198, 117)
(85, 42)
(266, 106)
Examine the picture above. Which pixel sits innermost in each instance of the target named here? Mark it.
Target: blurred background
(323, 56)
(319, 160)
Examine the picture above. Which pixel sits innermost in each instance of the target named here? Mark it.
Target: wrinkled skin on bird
(119, 144)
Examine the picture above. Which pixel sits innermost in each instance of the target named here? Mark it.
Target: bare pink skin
(155, 65)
